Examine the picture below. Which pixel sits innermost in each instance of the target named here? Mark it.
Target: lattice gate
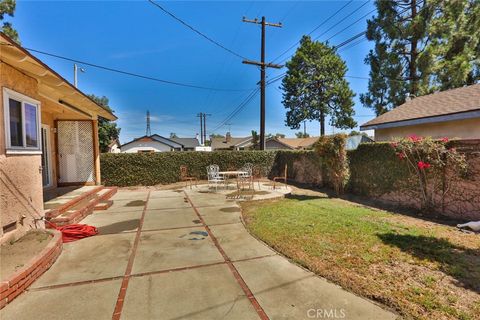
(76, 162)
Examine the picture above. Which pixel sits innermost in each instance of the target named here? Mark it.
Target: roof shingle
(436, 104)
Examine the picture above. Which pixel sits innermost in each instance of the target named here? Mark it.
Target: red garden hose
(73, 232)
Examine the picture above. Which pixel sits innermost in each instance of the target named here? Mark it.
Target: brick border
(33, 269)
(248, 293)
(117, 312)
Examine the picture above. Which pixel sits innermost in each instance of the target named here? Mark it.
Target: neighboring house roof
(454, 104)
(221, 143)
(299, 143)
(155, 137)
(276, 140)
(57, 87)
(189, 143)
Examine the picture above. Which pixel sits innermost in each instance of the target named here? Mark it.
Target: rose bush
(434, 167)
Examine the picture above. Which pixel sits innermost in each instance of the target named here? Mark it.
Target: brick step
(60, 209)
(85, 207)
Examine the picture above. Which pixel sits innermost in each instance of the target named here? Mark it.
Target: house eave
(435, 119)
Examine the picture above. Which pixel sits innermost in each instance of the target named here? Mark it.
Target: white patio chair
(247, 174)
(213, 177)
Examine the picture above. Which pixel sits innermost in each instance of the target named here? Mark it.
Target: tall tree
(7, 8)
(315, 87)
(107, 130)
(455, 43)
(420, 46)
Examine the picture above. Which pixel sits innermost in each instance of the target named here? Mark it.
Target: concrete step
(59, 209)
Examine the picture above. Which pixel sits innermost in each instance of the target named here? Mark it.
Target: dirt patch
(14, 256)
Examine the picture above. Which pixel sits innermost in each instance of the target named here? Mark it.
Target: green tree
(173, 135)
(455, 43)
(420, 46)
(107, 130)
(255, 140)
(276, 135)
(300, 134)
(7, 8)
(315, 87)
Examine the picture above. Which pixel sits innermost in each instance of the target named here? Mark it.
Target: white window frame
(23, 99)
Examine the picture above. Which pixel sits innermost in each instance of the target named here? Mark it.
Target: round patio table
(228, 174)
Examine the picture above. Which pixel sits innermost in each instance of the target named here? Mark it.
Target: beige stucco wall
(21, 197)
(461, 129)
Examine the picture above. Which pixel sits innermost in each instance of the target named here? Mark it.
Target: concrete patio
(179, 255)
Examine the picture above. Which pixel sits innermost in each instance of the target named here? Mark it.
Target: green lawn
(421, 269)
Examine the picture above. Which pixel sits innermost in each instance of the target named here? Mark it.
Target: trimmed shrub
(131, 169)
(375, 169)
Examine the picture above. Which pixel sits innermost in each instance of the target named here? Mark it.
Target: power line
(325, 21)
(195, 30)
(127, 72)
(344, 18)
(237, 109)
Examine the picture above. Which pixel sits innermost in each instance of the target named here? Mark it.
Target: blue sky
(136, 36)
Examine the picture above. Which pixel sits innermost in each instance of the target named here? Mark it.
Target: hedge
(130, 169)
(375, 169)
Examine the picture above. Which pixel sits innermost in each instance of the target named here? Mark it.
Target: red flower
(401, 155)
(415, 138)
(445, 139)
(423, 165)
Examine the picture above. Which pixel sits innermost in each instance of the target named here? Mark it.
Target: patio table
(228, 174)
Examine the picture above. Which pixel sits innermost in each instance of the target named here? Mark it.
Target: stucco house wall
(139, 146)
(461, 129)
(21, 196)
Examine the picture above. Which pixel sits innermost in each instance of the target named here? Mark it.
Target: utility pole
(200, 115)
(263, 66)
(304, 128)
(205, 126)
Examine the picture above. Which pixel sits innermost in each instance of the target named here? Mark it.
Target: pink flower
(423, 165)
(394, 145)
(415, 138)
(401, 155)
(445, 139)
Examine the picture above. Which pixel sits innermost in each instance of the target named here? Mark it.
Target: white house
(157, 143)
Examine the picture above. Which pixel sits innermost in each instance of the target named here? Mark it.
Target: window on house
(22, 121)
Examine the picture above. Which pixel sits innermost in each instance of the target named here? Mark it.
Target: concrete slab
(162, 250)
(286, 291)
(114, 222)
(89, 259)
(88, 301)
(127, 204)
(166, 194)
(168, 203)
(130, 195)
(170, 218)
(238, 243)
(220, 215)
(203, 293)
(209, 200)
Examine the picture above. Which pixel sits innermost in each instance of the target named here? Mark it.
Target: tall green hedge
(375, 169)
(130, 169)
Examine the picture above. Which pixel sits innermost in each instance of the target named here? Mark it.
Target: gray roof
(189, 143)
(221, 143)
